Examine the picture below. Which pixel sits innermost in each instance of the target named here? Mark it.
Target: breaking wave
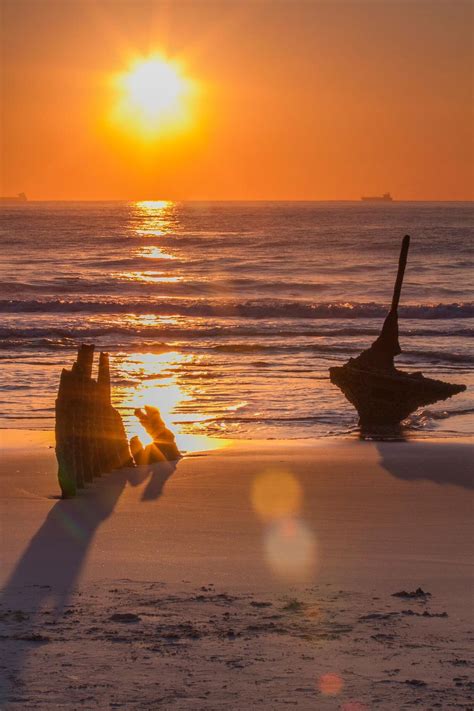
(260, 309)
(205, 331)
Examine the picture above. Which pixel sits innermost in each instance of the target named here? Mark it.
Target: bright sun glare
(154, 97)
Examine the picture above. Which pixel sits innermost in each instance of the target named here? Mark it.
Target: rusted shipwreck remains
(90, 436)
(382, 394)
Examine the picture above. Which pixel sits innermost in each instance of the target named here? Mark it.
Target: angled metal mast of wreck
(382, 394)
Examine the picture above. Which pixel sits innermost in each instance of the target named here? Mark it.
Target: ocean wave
(434, 356)
(427, 356)
(266, 330)
(288, 346)
(58, 344)
(44, 344)
(195, 331)
(427, 417)
(261, 309)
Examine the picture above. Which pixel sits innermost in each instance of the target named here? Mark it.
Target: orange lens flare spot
(330, 684)
(276, 494)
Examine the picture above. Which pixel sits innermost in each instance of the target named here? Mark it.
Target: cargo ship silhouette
(386, 197)
(21, 197)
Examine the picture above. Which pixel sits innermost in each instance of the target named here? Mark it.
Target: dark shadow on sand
(52, 562)
(441, 463)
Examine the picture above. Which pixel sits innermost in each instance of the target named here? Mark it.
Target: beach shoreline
(191, 555)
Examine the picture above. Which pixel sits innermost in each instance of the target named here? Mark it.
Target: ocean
(227, 316)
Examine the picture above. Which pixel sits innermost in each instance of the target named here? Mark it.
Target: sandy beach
(173, 587)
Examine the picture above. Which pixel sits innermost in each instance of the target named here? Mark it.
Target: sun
(154, 88)
(154, 96)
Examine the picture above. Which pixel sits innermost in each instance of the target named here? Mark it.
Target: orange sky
(297, 100)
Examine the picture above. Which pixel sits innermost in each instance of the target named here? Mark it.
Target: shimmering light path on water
(228, 315)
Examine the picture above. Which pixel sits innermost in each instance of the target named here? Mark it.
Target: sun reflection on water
(153, 253)
(154, 218)
(152, 379)
(155, 377)
(153, 385)
(150, 277)
(137, 320)
(153, 204)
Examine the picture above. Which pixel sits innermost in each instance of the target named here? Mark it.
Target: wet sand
(176, 587)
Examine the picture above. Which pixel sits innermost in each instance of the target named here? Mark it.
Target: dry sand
(198, 587)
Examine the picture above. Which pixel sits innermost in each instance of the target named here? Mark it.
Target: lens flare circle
(330, 684)
(290, 549)
(276, 494)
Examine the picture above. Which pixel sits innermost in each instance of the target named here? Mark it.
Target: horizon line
(227, 200)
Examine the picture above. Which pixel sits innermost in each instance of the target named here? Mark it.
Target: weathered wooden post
(83, 410)
(72, 404)
(115, 443)
(90, 436)
(65, 449)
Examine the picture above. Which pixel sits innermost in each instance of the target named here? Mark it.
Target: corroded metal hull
(381, 394)
(388, 398)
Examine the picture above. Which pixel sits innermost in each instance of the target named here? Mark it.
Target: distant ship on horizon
(21, 197)
(386, 197)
